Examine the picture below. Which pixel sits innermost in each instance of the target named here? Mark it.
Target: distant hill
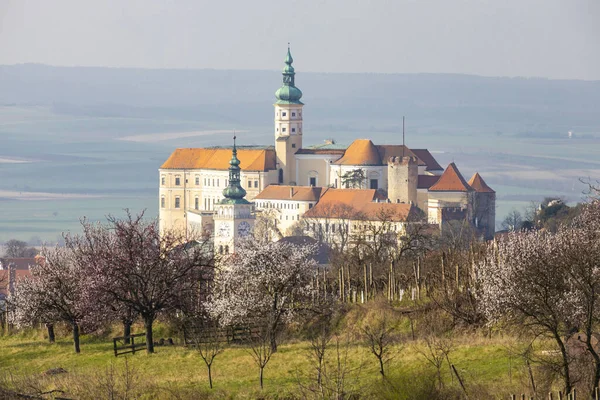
(433, 102)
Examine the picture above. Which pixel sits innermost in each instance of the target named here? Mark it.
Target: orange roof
(296, 193)
(451, 181)
(360, 152)
(251, 159)
(479, 185)
(364, 152)
(358, 203)
(397, 212)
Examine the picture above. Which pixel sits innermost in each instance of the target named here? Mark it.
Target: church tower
(288, 124)
(233, 217)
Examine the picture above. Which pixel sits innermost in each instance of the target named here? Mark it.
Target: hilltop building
(196, 185)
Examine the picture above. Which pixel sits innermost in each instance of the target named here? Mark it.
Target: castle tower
(288, 124)
(484, 207)
(233, 215)
(403, 174)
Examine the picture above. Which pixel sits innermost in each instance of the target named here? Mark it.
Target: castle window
(221, 249)
(213, 182)
(312, 181)
(374, 184)
(335, 183)
(293, 129)
(197, 181)
(196, 203)
(310, 205)
(162, 202)
(226, 249)
(255, 184)
(283, 114)
(226, 182)
(293, 145)
(163, 180)
(293, 114)
(217, 182)
(177, 181)
(280, 178)
(206, 204)
(282, 129)
(177, 202)
(332, 228)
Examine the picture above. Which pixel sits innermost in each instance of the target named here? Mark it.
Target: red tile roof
(251, 159)
(479, 185)
(4, 276)
(296, 193)
(20, 263)
(451, 181)
(426, 181)
(358, 203)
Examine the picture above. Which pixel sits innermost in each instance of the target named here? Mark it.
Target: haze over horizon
(537, 38)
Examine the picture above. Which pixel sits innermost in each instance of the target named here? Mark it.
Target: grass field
(483, 364)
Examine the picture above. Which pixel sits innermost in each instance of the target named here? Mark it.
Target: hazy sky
(546, 38)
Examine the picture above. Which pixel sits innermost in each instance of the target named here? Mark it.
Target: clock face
(224, 230)
(244, 228)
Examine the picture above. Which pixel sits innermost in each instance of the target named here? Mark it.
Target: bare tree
(261, 348)
(209, 342)
(437, 351)
(380, 337)
(17, 248)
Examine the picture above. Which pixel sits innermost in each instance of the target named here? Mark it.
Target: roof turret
(288, 93)
(234, 193)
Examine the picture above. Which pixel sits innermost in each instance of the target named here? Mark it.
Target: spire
(288, 93)
(234, 193)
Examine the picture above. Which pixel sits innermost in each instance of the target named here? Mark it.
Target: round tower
(288, 123)
(403, 174)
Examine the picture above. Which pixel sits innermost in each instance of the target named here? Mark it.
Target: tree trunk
(381, 371)
(127, 331)
(51, 336)
(148, 321)
(209, 377)
(565, 362)
(76, 337)
(261, 376)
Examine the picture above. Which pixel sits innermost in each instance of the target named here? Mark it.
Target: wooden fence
(558, 396)
(131, 347)
(235, 334)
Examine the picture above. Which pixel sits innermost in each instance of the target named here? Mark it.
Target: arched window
(226, 249)
(280, 180)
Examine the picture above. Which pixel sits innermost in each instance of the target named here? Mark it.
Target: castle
(201, 188)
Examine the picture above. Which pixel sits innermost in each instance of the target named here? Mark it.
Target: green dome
(288, 93)
(234, 193)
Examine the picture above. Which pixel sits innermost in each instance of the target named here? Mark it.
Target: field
(57, 168)
(484, 364)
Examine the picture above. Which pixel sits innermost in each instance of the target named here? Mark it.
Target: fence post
(115, 346)
(132, 344)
